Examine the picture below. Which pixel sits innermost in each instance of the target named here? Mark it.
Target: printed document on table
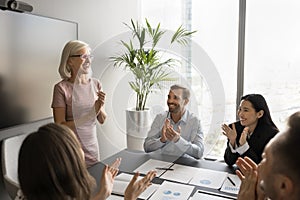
(228, 185)
(209, 178)
(209, 196)
(114, 197)
(180, 173)
(172, 191)
(122, 180)
(153, 164)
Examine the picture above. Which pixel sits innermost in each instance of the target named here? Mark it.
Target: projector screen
(30, 48)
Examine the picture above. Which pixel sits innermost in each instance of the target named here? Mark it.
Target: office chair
(10, 155)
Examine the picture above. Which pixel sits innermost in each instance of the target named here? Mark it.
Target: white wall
(98, 21)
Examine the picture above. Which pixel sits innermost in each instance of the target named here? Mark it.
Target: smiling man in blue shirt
(177, 131)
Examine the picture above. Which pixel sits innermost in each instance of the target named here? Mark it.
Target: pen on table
(231, 181)
(164, 168)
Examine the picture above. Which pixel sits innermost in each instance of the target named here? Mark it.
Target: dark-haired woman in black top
(249, 135)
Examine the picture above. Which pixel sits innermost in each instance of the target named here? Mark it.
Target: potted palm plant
(144, 61)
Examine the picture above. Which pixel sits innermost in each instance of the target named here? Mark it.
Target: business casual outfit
(79, 101)
(191, 136)
(254, 146)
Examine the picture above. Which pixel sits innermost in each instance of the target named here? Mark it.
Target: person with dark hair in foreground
(277, 176)
(51, 166)
(249, 135)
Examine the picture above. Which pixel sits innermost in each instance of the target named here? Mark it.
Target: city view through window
(271, 65)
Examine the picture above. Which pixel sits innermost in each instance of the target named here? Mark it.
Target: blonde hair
(71, 48)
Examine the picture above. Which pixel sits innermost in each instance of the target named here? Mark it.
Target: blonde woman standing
(78, 99)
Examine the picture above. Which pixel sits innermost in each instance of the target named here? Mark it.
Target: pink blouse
(79, 101)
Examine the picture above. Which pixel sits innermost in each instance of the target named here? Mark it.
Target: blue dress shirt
(191, 136)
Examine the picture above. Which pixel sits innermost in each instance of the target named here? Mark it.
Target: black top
(261, 135)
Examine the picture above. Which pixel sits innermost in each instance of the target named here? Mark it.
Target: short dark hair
(51, 165)
(287, 148)
(185, 91)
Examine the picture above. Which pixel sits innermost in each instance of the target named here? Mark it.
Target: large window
(272, 55)
(216, 23)
(272, 49)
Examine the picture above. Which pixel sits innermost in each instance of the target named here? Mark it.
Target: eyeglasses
(83, 56)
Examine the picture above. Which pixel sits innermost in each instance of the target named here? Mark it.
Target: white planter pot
(138, 124)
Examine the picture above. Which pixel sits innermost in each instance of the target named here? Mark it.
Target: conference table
(131, 159)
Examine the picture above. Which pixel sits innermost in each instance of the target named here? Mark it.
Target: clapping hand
(168, 133)
(99, 103)
(107, 179)
(163, 137)
(230, 133)
(244, 135)
(135, 187)
(173, 135)
(101, 97)
(248, 174)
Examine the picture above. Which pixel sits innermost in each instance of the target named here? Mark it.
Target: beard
(173, 108)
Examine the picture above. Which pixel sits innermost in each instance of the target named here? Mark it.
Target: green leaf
(148, 67)
(182, 36)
